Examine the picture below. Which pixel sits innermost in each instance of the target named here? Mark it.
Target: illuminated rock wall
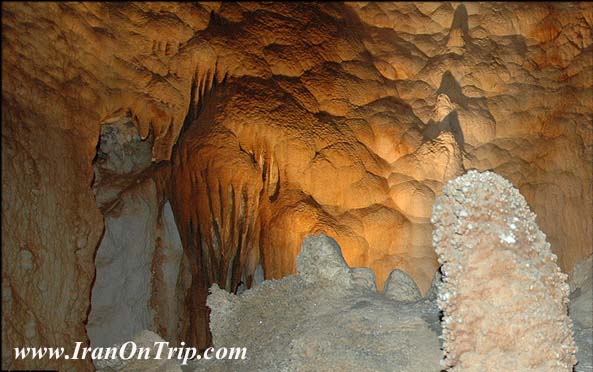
(288, 119)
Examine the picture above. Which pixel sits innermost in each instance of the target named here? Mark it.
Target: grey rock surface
(328, 317)
(120, 299)
(580, 309)
(258, 276)
(121, 149)
(433, 291)
(321, 262)
(364, 277)
(401, 287)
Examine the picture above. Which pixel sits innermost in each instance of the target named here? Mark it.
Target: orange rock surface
(280, 120)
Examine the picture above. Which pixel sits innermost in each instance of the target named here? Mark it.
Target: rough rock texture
(400, 287)
(580, 309)
(352, 128)
(50, 230)
(433, 291)
(276, 320)
(503, 296)
(322, 319)
(139, 281)
(120, 299)
(295, 119)
(581, 286)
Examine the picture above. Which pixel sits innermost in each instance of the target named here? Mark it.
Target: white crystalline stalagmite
(503, 296)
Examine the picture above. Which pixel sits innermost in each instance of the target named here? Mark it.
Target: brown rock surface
(299, 118)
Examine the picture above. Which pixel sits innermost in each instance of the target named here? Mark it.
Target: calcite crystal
(503, 296)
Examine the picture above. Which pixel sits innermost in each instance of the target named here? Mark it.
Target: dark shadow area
(460, 20)
(451, 87)
(449, 124)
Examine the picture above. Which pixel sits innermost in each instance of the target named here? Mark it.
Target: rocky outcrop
(504, 298)
(321, 319)
(120, 300)
(433, 291)
(400, 287)
(50, 230)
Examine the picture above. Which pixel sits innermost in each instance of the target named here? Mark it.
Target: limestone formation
(120, 300)
(400, 287)
(581, 312)
(443, 107)
(504, 298)
(140, 273)
(433, 291)
(581, 286)
(261, 123)
(321, 263)
(318, 320)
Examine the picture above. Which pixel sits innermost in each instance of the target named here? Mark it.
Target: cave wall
(140, 269)
(383, 115)
(50, 230)
(291, 119)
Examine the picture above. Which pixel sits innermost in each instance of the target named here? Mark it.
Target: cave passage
(157, 154)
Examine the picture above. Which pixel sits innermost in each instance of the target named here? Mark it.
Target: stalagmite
(503, 296)
(400, 287)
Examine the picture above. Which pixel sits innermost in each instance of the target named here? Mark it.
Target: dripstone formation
(503, 296)
(153, 149)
